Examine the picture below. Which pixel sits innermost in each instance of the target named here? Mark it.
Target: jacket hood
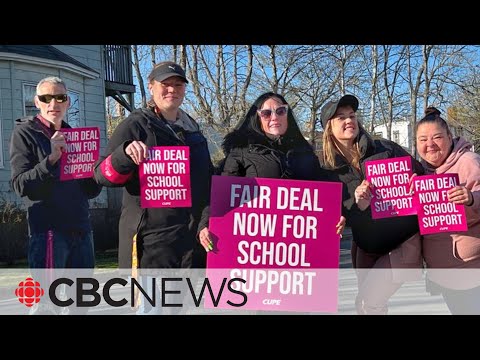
(241, 139)
(460, 147)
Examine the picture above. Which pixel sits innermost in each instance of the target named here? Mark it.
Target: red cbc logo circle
(29, 292)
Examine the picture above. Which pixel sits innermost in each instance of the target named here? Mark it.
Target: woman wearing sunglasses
(268, 143)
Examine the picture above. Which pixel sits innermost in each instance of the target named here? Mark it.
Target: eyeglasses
(60, 98)
(267, 113)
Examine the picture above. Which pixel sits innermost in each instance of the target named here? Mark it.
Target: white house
(400, 132)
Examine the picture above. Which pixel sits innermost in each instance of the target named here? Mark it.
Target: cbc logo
(29, 292)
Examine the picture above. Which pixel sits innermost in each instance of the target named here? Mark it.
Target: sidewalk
(410, 299)
(345, 246)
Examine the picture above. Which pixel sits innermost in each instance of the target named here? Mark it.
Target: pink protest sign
(279, 236)
(83, 150)
(435, 213)
(391, 193)
(165, 178)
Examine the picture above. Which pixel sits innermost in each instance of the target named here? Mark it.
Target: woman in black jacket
(268, 143)
(165, 237)
(380, 243)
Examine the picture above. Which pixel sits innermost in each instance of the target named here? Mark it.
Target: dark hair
(432, 115)
(251, 121)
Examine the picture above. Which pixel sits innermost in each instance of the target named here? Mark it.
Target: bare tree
(464, 113)
(240, 103)
(417, 60)
(221, 76)
(152, 55)
(224, 79)
(279, 67)
(448, 67)
(368, 79)
(315, 84)
(373, 85)
(393, 64)
(136, 67)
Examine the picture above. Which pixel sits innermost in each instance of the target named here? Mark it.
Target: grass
(106, 259)
(103, 260)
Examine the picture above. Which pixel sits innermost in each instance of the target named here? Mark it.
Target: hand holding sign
(460, 195)
(341, 225)
(205, 239)
(137, 151)
(57, 145)
(363, 194)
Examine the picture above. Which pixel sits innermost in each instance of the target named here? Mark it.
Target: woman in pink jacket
(444, 253)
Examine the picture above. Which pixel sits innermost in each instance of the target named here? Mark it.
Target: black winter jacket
(174, 229)
(378, 236)
(51, 204)
(251, 154)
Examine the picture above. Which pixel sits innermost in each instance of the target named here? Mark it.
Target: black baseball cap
(166, 70)
(330, 108)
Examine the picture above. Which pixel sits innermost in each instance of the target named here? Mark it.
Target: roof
(43, 51)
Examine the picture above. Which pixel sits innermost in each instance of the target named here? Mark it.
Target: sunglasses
(267, 113)
(60, 98)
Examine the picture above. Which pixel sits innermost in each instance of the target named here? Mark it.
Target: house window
(29, 108)
(73, 114)
(396, 136)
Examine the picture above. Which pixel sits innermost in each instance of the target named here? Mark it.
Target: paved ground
(345, 244)
(410, 299)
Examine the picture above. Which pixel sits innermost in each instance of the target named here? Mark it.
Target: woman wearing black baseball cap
(161, 237)
(377, 244)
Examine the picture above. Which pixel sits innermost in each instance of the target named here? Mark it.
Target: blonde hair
(331, 148)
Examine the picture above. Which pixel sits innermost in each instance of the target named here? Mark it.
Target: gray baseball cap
(330, 108)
